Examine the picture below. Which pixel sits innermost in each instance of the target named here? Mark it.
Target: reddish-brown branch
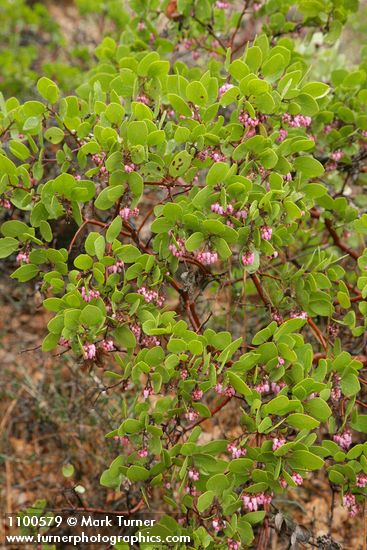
(338, 242)
(73, 240)
(259, 289)
(201, 420)
(317, 333)
(334, 235)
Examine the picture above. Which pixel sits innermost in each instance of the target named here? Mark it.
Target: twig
(317, 333)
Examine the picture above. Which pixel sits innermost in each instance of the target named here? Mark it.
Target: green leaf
(50, 342)
(18, 149)
(179, 105)
(316, 89)
(68, 470)
(54, 135)
(48, 89)
(14, 228)
(254, 58)
(205, 500)
(124, 337)
(349, 384)
(217, 173)
(114, 229)
(137, 132)
(218, 483)
(305, 460)
(180, 164)
(273, 67)
(318, 408)
(310, 167)
(83, 262)
(194, 242)
(137, 473)
(25, 273)
(91, 316)
(239, 385)
(196, 93)
(115, 113)
(8, 245)
(46, 231)
(302, 421)
(128, 253)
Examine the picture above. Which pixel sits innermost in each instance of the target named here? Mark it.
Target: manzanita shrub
(198, 230)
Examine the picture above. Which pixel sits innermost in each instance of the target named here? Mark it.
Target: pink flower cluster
(129, 167)
(298, 479)
(191, 415)
(217, 524)
(127, 213)
(298, 315)
(194, 474)
(64, 342)
(191, 491)
(337, 155)
(276, 387)
(178, 248)
(214, 154)
(136, 330)
(329, 127)
(99, 158)
(263, 387)
(151, 296)
(116, 268)
(275, 315)
(361, 480)
(266, 232)
(297, 121)
(228, 391)
(121, 439)
(235, 451)
(5, 203)
(349, 501)
(147, 392)
(344, 440)
(90, 294)
(336, 391)
(247, 121)
(233, 544)
(222, 5)
(197, 394)
(23, 257)
(252, 503)
(107, 345)
(217, 156)
(224, 88)
(248, 258)
(150, 341)
(89, 351)
(228, 211)
(143, 452)
(207, 258)
(142, 98)
(278, 442)
(282, 135)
